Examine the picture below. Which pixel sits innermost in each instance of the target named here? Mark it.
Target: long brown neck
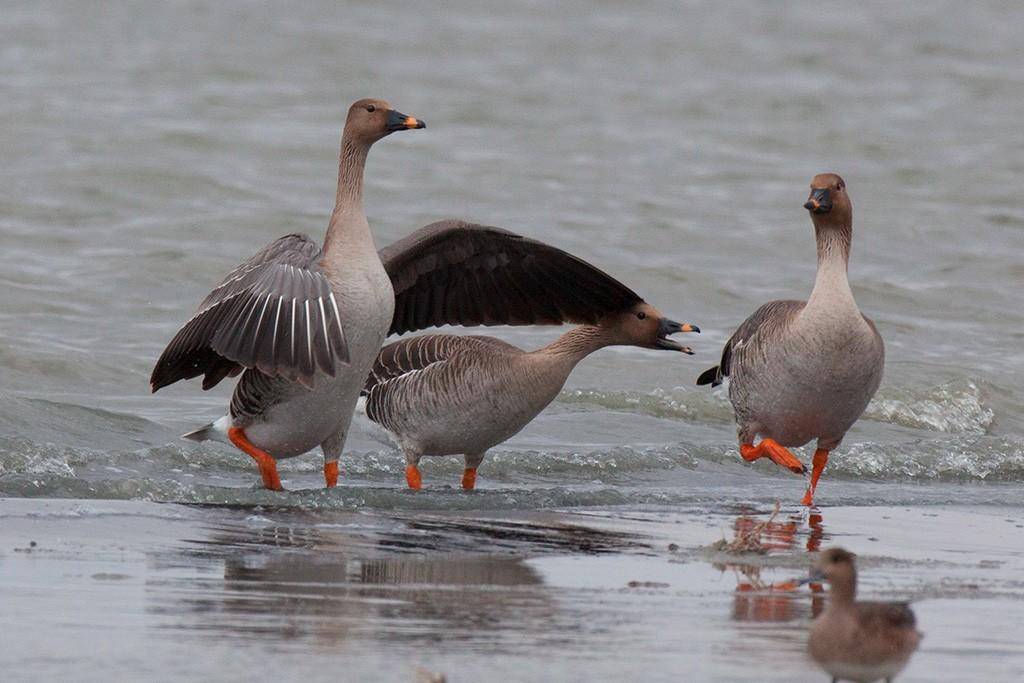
(831, 285)
(833, 243)
(580, 342)
(348, 217)
(844, 589)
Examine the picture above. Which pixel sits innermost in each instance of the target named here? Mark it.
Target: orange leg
(413, 477)
(331, 474)
(469, 478)
(819, 462)
(779, 454)
(266, 463)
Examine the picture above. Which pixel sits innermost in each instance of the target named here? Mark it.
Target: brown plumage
(858, 641)
(805, 370)
(445, 394)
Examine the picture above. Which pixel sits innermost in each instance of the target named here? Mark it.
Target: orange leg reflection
(757, 600)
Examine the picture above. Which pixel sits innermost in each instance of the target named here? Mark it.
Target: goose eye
(370, 108)
(641, 315)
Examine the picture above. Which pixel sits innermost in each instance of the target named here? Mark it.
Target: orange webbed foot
(413, 477)
(331, 474)
(469, 478)
(266, 463)
(776, 452)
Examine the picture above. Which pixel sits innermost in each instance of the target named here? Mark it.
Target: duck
(857, 640)
(444, 394)
(302, 324)
(805, 370)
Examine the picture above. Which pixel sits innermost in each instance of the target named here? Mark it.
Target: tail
(710, 376)
(215, 431)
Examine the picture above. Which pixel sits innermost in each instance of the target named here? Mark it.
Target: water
(148, 149)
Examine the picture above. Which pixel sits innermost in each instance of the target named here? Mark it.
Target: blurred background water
(148, 148)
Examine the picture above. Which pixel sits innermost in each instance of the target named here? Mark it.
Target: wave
(664, 475)
(954, 407)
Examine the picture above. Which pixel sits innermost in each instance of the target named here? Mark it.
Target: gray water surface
(148, 150)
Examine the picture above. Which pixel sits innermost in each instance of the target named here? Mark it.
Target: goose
(303, 324)
(443, 394)
(858, 641)
(803, 370)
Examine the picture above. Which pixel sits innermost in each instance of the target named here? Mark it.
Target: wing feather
(268, 313)
(457, 273)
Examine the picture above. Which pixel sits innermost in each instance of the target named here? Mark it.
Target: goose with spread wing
(300, 322)
(303, 324)
(442, 394)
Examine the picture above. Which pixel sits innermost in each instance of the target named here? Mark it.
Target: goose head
(644, 325)
(370, 120)
(829, 203)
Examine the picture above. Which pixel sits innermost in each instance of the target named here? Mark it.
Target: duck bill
(819, 201)
(668, 327)
(815, 576)
(399, 121)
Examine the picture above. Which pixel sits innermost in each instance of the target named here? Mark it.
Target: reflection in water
(761, 601)
(330, 584)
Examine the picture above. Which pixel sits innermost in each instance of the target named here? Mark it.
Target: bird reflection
(758, 600)
(331, 583)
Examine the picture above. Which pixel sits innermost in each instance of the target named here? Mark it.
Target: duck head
(837, 567)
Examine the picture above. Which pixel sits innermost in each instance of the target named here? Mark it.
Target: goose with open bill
(443, 394)
(303, 324)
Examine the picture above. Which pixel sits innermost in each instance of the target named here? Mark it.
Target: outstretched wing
(755, 330)
(457, 273)
(275, 312)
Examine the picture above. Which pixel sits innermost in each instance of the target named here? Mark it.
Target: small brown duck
(803, 370)
(858, 641)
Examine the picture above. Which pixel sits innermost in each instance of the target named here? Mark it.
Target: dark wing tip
(709, 376)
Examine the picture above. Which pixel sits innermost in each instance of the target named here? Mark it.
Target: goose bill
(399, 121)
(667, 327)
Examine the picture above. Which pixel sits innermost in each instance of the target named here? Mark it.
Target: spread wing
(275, 312)
(457, 273)
(755, 330)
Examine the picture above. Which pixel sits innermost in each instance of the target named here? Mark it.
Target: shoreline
(125, 589)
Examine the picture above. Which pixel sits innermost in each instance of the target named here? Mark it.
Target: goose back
(447, 394)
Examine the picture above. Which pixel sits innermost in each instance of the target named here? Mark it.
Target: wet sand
(125, 590)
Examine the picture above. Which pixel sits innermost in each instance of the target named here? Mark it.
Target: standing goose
(446, 395)
(858, 641)
(802, 370)
(304, 323)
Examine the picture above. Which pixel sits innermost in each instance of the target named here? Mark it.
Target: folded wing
(760, 328)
